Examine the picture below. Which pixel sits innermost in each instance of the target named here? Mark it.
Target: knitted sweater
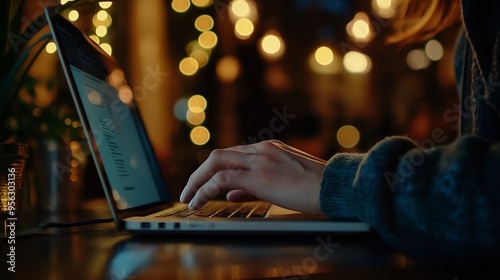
(434, 201)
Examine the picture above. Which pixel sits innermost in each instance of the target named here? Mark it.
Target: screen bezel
(118, 214)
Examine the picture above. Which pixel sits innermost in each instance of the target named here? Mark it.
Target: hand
(268, 170)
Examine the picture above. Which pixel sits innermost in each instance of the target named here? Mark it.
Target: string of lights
(324, 59)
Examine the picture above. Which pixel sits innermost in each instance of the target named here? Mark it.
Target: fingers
(239, 196)
(249, 171)
(217, 161)
(224, 180)
(232, 160)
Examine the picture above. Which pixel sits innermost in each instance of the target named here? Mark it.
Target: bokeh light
(181, 6)
(271, 45)
(101, 31)
(51, 47)
(357, 63)
(417, 60)
(197, 103)
(228, 69)
(95, 38)
(188, 66)
(102, 15)
(202, 3)
(324, 55)
(73, 15)
(125, 94)
(105, 4)
(243, 28)
(384, 8)
(107, 48)
(204, 23)
(195, 118)
(359, 28)
(240, 8)
(348, 136)
(434, 50)
(329, 69)
(200, 135)
(207, 39)
(201, 57)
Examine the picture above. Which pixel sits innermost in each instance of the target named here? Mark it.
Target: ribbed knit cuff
(336, 187)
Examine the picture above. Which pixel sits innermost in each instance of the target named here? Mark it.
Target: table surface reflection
(106, 253)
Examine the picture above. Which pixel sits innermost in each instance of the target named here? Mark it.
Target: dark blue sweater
(434, 201)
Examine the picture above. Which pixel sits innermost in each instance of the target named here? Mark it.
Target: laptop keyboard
(224, 210)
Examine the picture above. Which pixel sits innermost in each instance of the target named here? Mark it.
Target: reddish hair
(419, 20)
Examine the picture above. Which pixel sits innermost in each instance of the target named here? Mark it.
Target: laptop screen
(105, 103)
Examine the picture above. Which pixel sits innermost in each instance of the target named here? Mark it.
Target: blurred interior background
(316, 74)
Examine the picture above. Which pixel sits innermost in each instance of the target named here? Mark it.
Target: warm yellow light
(195, 118)
(361, 29)
(348, 136)
(357, 63)
(192, 46)
(95, 38)
(125, 94)
(434, 50)
(188, 66)
(384, 8)
(207, 39)
(73, 15)
(94, 97)
(228, 69)
(197, 103)
(243, 28)
(240, 8)
(107, 48)
(106, 22)
(102, 15)
(271, 44)
(417, 60)
(65, 1)
(329, 69)
(384, 4)
(101, 31)
(324, 55)
(181, 6)
(200, 135)
(204, 23)
(201, 3)
(51, 47)
(201, 56)
(117, 78)
(105, 4)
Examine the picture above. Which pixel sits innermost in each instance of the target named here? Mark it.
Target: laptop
(135, 189)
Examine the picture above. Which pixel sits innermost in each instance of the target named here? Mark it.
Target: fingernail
(191, 204)
(181, 198)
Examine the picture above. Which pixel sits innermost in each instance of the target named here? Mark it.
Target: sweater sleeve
(336, 190)
(439, 203)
